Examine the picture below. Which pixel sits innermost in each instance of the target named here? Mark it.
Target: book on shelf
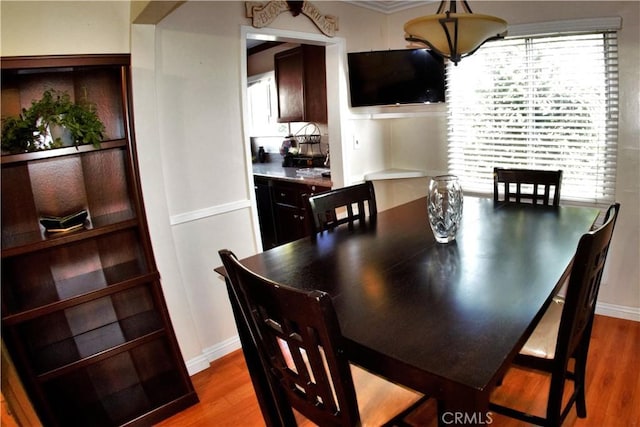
(57, 224)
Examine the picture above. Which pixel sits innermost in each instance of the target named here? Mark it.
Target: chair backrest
(299, 340)
(583, 287)
(323, 207)
(527, 186)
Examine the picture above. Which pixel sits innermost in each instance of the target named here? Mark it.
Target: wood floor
(613, 388)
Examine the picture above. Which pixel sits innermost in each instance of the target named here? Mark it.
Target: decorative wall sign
(264, 13)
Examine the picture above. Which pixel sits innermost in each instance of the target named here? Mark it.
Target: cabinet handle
(283, 194)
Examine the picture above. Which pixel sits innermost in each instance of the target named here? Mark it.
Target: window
(263, 106)
(544, 102)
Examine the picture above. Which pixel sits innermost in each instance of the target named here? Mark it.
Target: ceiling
(391, 6)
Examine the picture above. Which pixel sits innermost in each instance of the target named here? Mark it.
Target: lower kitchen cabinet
(291, 223)
(281, 210)
(262, 187)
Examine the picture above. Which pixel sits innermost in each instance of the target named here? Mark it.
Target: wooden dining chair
(527, 186)
(300, 344)
(564, 331)
(343, 205)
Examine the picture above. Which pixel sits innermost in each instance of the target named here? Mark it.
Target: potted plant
(52, 122)
(19, 134)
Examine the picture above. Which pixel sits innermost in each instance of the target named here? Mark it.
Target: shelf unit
(83, 313)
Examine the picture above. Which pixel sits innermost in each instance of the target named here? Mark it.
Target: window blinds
(546, 102)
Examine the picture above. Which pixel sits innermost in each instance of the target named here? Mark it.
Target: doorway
(337, 104)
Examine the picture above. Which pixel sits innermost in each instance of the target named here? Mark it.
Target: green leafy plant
(31, 130)
(19, 134)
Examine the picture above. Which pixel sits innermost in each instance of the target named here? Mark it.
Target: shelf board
(36, 241)
(394, 174)
(127, 283)
(89, 360)
(58, 152)
(71, 349)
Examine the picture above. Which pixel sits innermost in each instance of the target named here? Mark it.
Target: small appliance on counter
(308, 152)
(288, 145)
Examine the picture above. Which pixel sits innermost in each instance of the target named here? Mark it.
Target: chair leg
(580, 370)
(579, 374)
(554, 404)
(441, 422)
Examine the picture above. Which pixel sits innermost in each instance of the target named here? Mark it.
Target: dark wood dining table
(443, 319)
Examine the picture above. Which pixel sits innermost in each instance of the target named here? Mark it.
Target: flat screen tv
(390, 77)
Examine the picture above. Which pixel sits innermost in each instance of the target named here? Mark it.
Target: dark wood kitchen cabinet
(262, 187)
(289, 210)
(283, 218)
(83, 313)
(301, 84)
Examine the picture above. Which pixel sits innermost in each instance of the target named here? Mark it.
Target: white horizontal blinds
(542, 103)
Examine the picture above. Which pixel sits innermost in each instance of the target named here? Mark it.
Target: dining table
(444, 319)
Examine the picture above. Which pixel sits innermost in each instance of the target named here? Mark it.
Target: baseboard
(201, 362)
(197, 364)
(619, 311)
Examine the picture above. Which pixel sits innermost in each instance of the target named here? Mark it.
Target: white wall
(204, 184)
(188, 111)
(202, 199)
(153, 186)
(64, 27)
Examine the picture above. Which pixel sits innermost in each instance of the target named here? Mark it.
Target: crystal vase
(445, 207)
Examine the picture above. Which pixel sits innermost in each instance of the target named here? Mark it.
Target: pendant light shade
(455, 35)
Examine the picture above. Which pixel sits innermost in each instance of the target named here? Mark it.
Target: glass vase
(445, 207)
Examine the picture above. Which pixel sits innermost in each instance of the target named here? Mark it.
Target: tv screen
(390, 77)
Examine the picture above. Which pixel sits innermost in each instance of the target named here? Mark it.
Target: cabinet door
(301, 84)
(315, 84)
(265, 213)
(289, 81)
(290, 223)
(290, 211)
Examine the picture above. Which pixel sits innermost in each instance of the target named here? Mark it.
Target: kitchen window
(540, 102)
(263, 106)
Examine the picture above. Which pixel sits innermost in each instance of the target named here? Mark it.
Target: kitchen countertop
(275, 170)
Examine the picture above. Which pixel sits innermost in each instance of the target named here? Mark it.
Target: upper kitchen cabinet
(301, 84)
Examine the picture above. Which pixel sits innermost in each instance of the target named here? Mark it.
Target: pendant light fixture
(455, 35)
